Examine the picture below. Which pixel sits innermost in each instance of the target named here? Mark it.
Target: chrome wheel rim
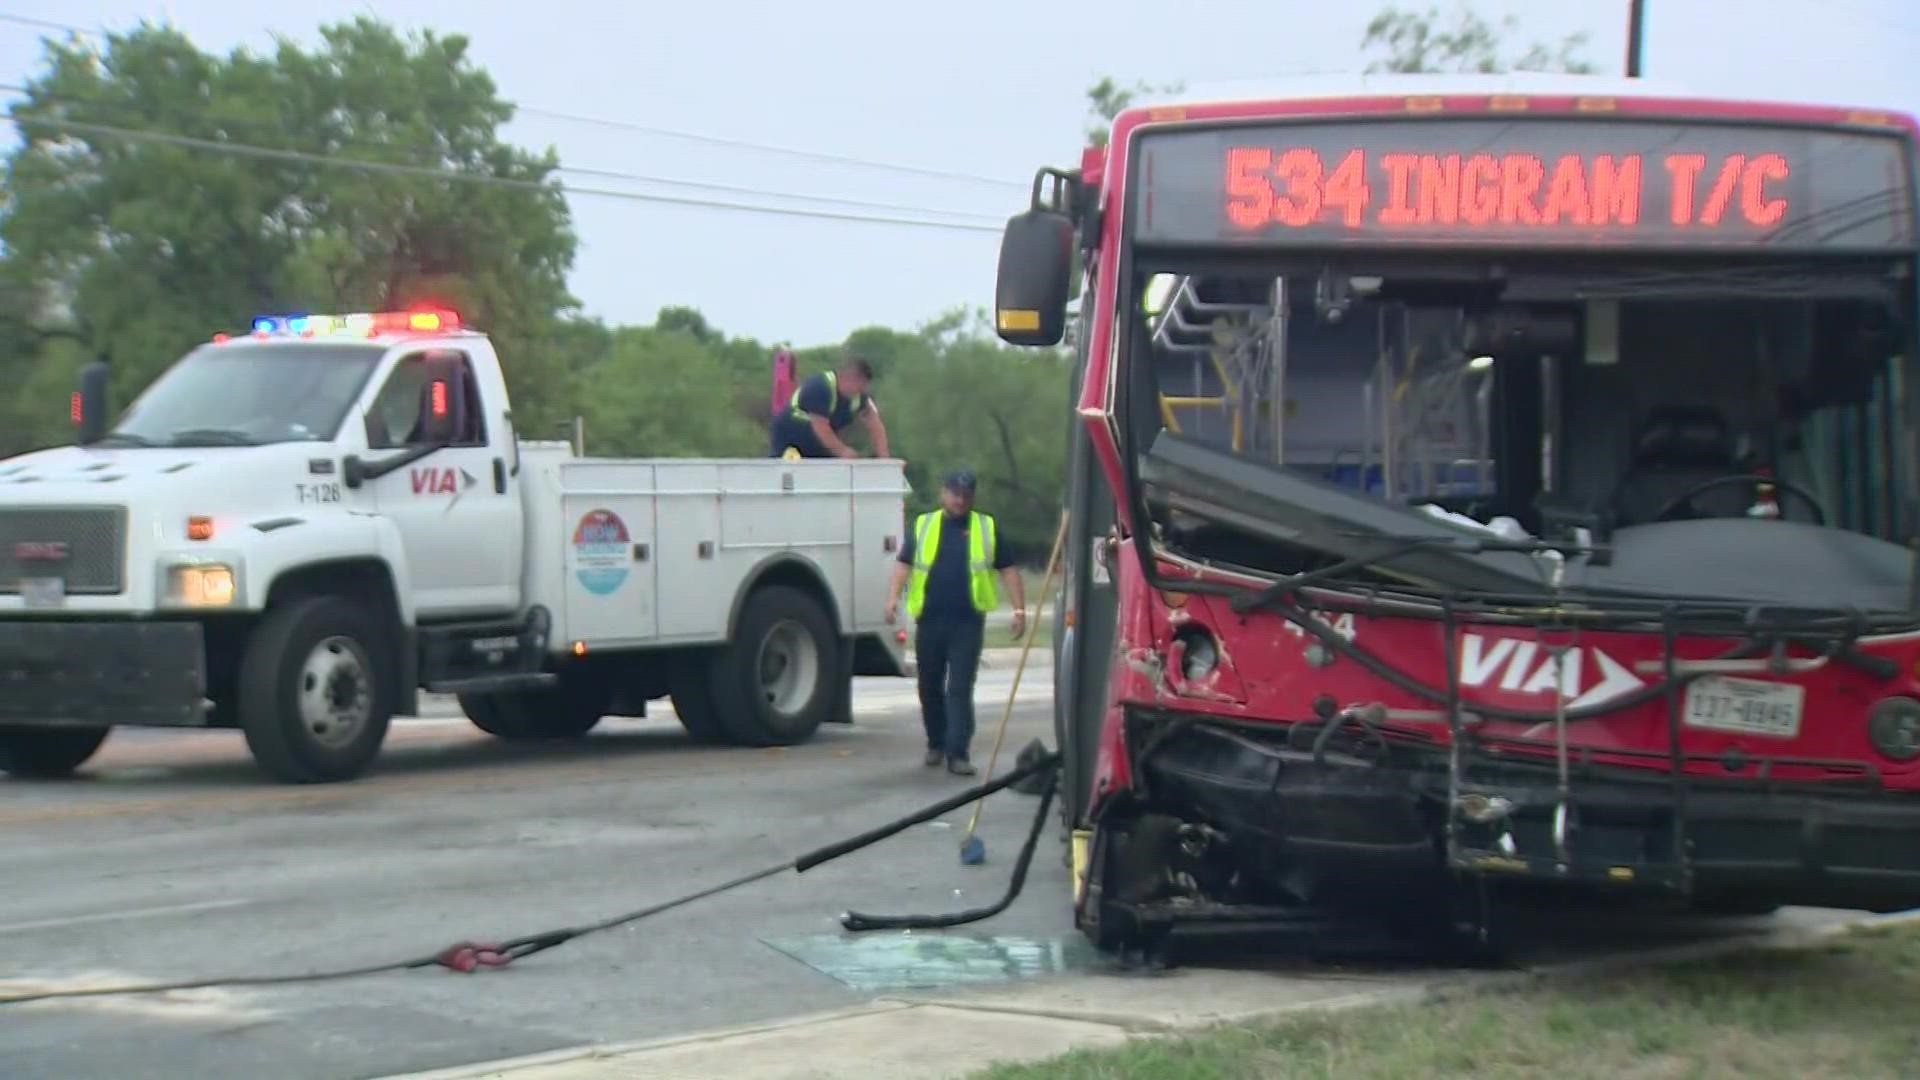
(788, 666)
(336, 692)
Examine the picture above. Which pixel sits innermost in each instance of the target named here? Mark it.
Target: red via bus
(1477, 488)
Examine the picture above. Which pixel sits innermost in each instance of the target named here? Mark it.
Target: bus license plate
(1745, 706)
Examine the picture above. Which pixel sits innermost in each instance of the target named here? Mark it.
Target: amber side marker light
(199, 528)
(1015, 320)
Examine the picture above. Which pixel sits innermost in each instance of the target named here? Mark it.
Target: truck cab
(295, 530)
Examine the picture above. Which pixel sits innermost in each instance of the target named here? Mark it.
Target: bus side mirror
(88, 409)
(1036, 273)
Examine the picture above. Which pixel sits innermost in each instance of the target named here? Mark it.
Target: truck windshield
(247, 394)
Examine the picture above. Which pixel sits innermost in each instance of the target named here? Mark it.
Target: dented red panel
(1273, 671)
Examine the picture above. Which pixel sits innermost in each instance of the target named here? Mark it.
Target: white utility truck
(296, 531)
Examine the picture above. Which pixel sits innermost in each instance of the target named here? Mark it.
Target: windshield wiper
(124, 438)
(211, 437)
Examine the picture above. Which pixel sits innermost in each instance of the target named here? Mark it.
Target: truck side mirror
(1036, 272)
(88, 409)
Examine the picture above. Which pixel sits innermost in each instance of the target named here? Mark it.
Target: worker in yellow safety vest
(823, 405)
(947, 562)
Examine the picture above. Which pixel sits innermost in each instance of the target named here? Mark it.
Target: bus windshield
(1689, 344)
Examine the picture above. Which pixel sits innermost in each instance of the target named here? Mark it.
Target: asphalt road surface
(173, 858)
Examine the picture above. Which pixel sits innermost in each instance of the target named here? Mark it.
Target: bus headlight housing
(1893, 726)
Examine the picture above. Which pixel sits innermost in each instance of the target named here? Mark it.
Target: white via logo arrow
(1525, 667)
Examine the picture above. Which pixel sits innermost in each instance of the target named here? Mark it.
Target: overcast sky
(985, 88)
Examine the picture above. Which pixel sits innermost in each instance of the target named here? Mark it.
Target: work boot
(935, 756)
(960, 766)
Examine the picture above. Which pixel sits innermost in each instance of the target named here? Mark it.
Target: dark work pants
(948, 653)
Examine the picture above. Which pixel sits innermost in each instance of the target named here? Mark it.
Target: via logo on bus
(1523, 668)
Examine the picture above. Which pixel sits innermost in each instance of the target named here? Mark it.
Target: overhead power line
(237, 149)
(42, 24)
(644, 178)
(670, 133)
(810, 155)
(610, 174)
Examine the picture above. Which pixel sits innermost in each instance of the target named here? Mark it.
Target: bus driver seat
(1677, 448)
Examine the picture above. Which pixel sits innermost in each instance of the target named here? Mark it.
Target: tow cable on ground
(468, 956)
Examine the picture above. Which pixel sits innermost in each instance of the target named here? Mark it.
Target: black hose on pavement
(857, 922)
(471, 956)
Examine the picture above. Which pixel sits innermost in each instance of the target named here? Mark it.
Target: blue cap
(960, 481)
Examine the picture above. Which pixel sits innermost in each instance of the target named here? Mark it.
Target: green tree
(968, 401)
(689, 321)
(1107, 99)
(1415, 42)
(144, 246)
(664, 393)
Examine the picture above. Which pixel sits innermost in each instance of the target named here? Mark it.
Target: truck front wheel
(315, 693)
(47, 753)
(773, 683)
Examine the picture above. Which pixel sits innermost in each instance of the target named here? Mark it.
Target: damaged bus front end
(1444, 521)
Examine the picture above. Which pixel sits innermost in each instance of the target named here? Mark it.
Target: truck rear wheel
(691, 687)
(773, 683)
(47, 753)
(315, 696)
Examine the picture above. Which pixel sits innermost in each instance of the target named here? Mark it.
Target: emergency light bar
(362, 324)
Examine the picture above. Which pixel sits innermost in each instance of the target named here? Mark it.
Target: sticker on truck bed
(600, 551)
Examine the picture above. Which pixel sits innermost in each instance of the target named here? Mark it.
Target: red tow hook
(468, 957)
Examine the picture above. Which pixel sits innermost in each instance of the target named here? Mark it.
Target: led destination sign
(1580, 182)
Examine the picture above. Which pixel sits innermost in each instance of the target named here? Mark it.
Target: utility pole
(1636, 22)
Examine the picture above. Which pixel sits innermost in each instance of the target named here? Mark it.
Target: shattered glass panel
(928, 960)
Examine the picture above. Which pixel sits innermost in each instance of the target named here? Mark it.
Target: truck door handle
(500, 476)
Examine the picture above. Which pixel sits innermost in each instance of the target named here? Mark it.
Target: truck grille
(84, 545)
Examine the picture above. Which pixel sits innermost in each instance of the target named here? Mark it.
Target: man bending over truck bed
(824, 405)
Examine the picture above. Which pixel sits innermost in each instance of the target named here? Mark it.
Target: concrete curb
(1773, 941)
(1135, 1025)
(612, 1050)
(1439, 987)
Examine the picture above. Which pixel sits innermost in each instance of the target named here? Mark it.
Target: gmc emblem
(40, 550)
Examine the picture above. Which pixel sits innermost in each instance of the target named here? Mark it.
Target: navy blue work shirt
(948, 595)
(797, 431)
